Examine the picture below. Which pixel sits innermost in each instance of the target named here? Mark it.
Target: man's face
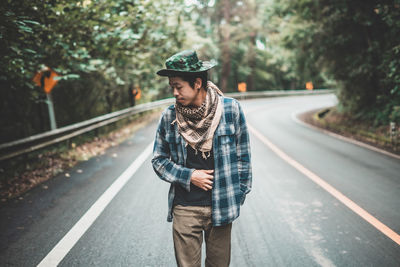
(184, 94)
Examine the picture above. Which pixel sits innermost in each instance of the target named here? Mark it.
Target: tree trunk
(251, 61)
(225, 50)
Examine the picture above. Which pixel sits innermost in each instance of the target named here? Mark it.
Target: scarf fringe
(203, 153)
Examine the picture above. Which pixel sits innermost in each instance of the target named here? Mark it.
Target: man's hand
(203, 179)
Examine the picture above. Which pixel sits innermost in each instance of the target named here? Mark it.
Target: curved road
(316, 201)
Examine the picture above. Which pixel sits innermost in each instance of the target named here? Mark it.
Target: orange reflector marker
(138, 94)
(242, 87)
(309, 86)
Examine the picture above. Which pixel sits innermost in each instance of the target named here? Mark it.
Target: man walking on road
(202, 148)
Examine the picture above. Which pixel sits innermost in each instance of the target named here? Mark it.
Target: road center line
(330, 189)
(62, 248)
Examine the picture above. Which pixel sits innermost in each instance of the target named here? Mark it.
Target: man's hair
(191, 78)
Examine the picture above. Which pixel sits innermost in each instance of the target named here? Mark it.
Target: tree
(97, 47)
(356, 42)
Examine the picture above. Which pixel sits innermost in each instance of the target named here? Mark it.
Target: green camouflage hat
(185, 62)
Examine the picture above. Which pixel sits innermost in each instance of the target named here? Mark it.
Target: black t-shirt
(196, 196)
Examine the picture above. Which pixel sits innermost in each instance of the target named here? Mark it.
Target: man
(202, 148)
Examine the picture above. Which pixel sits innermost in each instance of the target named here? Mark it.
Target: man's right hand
(203, 179)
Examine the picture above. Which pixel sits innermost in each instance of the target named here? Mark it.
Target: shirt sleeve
(243, 152)
(164, 167)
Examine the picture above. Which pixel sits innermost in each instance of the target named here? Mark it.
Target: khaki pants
(188, 225)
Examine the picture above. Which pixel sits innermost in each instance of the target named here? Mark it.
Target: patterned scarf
(198, 124)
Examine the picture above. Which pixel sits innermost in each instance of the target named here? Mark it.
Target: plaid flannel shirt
(232, 168)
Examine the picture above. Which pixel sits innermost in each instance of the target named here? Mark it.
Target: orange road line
(330, 189)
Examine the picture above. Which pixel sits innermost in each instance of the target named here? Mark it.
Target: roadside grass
(331, 119)
(20, 174)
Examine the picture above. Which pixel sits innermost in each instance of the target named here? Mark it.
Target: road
(287, 220)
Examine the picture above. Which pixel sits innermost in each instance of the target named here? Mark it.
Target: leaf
(30, 51)
(25, 29)
(31, 22)
(67, 77)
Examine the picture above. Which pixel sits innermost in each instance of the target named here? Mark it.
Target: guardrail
(35, 142)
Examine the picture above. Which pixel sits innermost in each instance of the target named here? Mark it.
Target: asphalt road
(287, 219)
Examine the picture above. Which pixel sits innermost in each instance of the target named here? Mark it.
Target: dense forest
(101, 49)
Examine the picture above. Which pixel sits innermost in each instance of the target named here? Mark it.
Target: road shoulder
(28, 172)
(371, 139)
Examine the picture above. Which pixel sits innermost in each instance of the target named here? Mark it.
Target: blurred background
(99, 52)
(80, 101)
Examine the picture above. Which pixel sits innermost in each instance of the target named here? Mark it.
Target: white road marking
(57, 254)
(327, 187)
(294, 116)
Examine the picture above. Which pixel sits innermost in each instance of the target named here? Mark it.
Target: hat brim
(170, 72)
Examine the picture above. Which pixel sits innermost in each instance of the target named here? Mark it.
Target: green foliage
(356, 43)
(99, 48)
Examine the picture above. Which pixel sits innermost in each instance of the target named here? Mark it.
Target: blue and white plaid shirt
(231, 148)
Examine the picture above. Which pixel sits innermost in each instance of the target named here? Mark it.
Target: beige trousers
(188, 225)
